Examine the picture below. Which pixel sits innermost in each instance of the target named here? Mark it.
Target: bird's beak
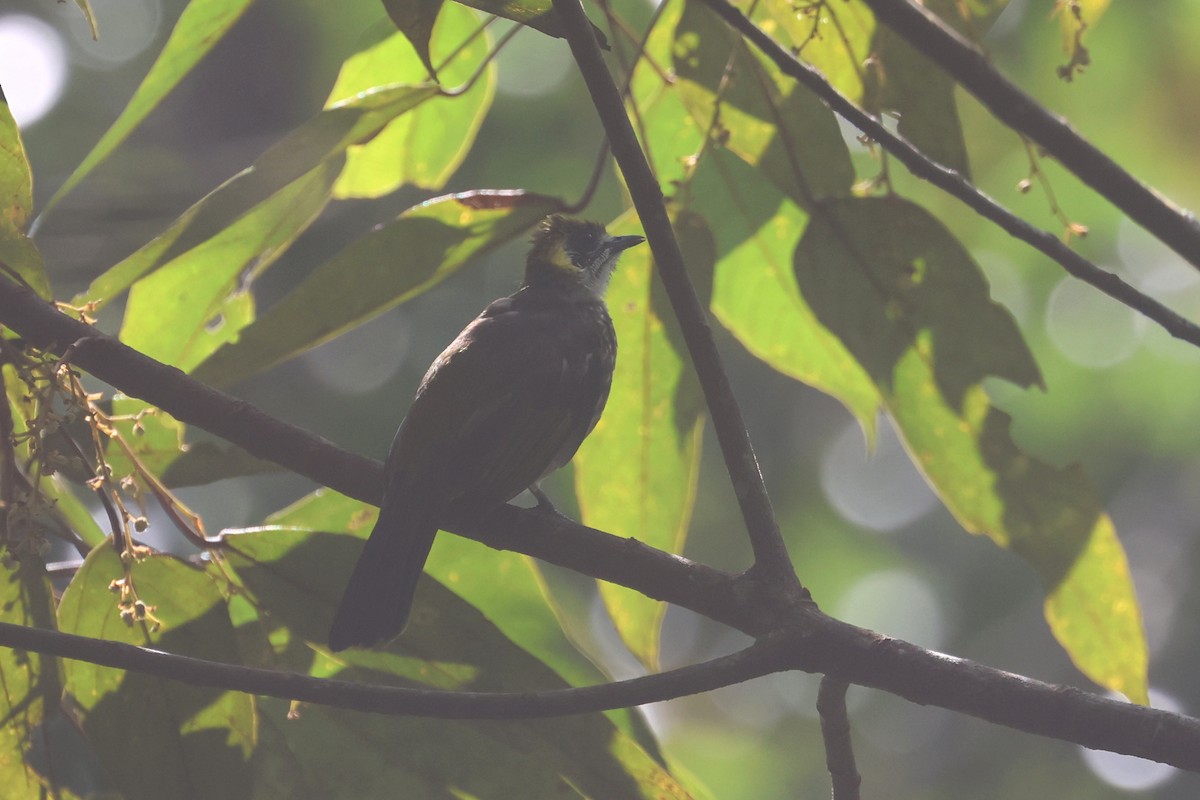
(620, 243)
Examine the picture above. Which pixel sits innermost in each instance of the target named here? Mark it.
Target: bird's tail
(380, 593)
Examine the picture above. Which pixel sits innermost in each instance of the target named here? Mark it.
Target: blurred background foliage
(868, 537)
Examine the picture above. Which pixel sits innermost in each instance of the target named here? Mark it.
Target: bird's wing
(509, 400)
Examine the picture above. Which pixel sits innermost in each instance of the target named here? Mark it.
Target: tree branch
(835, 730)
(1174, 226)
(770, 554)
(954, 184)
(761, 658)
(815, 643)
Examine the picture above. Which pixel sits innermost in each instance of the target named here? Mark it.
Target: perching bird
(508, 402)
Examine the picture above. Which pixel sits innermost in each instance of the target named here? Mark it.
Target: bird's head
(574, 248)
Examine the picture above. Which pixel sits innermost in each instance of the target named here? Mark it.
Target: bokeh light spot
(363, 359)
(33, 66)
(882, 491)
(897, 603)
(1090, 328)
(1130, 772)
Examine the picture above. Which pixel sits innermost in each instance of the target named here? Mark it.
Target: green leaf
(158, 738)
(771, 122)
(304, 151)
(636, 474)
(423, 147)
(190, 306)
(201, 25)
(371, 276)
(30, 683)
(505, 585)
(17, 252)
(903, 81)
(912, 307)
(448, 645)
(835, 38)
(755, 295)
(415, 19)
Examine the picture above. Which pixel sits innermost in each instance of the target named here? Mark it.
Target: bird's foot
(544, 504)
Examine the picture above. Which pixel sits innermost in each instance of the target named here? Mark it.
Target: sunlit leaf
(187, 308)
(425, 146)
(754, 287)
(17, 252)
(156, 737)
(636, 474)
(913, 308)
(304, 151)
(835, 38)
(771, 122)
(201, 26)
(391, 264)
(30, 683)
(448, 645)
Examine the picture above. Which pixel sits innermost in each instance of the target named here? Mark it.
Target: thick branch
(770, 553)
(819, 644)
(1175, 227)
(954, 184)
(755, 661)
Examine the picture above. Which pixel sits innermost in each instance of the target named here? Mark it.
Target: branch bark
(954, 184)
(1175, 227)
(813, 642)
(770, 554)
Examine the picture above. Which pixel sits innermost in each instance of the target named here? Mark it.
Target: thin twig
(761, 658)
(1175, 227)
(835, 730)
(955, 184)
(770, 554)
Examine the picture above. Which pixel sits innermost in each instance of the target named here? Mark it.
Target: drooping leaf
(90, 15)
(425, 146)
(17, 252)
(415, 19)
(326, 136)
(754, 287)
(156, 737)
(913, 308)
(448, 645)
(201, 26)
(391, 264)
(635, 475)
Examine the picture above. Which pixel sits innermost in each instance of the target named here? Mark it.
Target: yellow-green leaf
(391, 264)
(425, 146)
(156, 737)
(636, 474)
(913, 308)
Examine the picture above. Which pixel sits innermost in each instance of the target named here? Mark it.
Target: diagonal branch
(835, 730)
(1174, 226)
(770, 554)
(815, 643)
(955, 184)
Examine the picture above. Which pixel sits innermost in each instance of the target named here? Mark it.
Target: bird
(509, 401)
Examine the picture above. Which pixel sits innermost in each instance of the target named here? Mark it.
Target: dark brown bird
(508, 402)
